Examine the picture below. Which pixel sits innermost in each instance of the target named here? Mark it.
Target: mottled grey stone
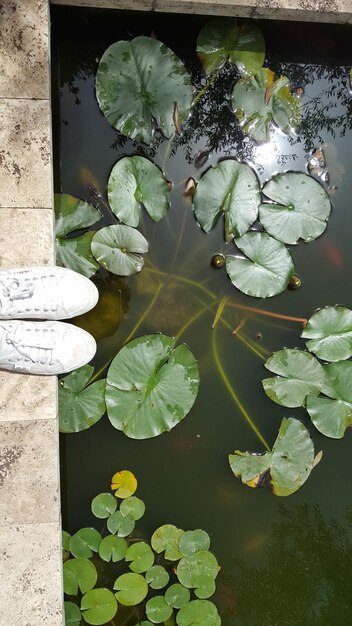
(29, 490)
(30, 574)
(25, 397)
(24, 63)
(137, 5)
(25, 158)
(26, 237)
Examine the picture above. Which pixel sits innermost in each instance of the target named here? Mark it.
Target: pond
(284, 561)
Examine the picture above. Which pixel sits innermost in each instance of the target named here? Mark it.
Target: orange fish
(333, 254)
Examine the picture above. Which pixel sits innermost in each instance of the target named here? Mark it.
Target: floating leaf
(80, 406)
(193, 541)
(65, 540)
(158, 610)
(103, 505)
(132, 589)
(177, 596)
(151, 386)
(157, 577)
(206, 587)
(329, 331)
(124, 484)
(221, 39)
(286, 467)
(260, 99)
(133, 506)
(79, 573)
(332, 415)
(198, 613)
(72, 614)
(99, 606)
(84, 542)
(267, 269)
(300, 209)
(167, 538)
(141, 557)
(140, 81)
(120, 525)
(73, 214)
(232, 188)
(118, 249)
(134, 182)
(192, 570)
(113, 548)
(299, 375)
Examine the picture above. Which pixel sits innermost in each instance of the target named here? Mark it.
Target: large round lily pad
(134, 182)
(267, 269)
(80, 406)
(158, 610)
(329, 333)
(131, 589)
(231, 188)
(79, 574)
(333, 414)
(299, 374)
(198, 613)
(84, 542)
(140, 81)
(98, 606)
(222, 39)
(151, 386)
(192, 570)
(285, 468)
(261, 99)
(166, 538)
(300, 209)
(118, 249)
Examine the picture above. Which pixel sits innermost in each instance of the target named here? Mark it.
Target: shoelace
(37, 294)
(31, 345)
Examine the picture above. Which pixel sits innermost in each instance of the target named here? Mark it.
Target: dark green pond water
(285, 561)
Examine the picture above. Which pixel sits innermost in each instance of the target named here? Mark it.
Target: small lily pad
(193, 541)
(84, 542)
(231, 188)
(72, 614)
(300, 209)
(120, 525)
(124, 483)
(134, 182)
(132, 506)
(132, 589)
(261, 99)
(157, 610)
(177, 596)
(151, 386)
(79, 574)
(65, 538)
(80, 406)
(285, 468)
(267, 269)
(332, 415)
(157, 577)
(103, 505)
(140, 556)
(299, 375)
(118, 249)
(142, 81)
(198, 613)
(222, 39)
(98, 606)
(206, 587)
(166, 538)
(113, 548)
(191, 570)
(329, 333)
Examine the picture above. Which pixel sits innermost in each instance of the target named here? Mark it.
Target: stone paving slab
(29, 469)
(24, 65)
(137, 5)
(30, 574)
(26, 237)
(25, 158)
(27, 397)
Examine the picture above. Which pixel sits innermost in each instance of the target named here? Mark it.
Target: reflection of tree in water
(306, 579)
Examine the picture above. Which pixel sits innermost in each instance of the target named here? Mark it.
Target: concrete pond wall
(30, 549)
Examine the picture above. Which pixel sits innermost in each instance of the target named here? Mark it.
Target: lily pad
(113, 548)
(103, 505)
(261, 99)
(120, 525)
(166, 538)
(332, 415)
(98, 606)
(177, 596)
(134, 182)
(133, 506)
(267, 269)
(80, 406)
(193, 541)
(140, 81)
(124, 484)
(222, 39)
(300, 209)
(231, 188)
(206, 587)
(72, 214)
(65, 540)
(329, 333)
(72, 614)
(118, 249)
(79, 574)
(157, 610)
(192, 570)
(285, 468)
(140, 557)
(151, 386)
(299, 375)
(157, 577)
(198, 613)
(84, 542)
(132, 589)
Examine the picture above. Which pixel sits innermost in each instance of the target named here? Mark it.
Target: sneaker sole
(49, 293)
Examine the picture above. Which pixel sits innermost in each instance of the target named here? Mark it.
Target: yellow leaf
(125, 483)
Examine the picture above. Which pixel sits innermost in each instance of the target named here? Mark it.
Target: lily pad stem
(278, 316)
(233, 393)
(211, 80)
(182, 279)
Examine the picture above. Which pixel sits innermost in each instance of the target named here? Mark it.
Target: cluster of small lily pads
(168, 581)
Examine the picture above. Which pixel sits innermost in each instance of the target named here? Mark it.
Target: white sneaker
(51, 293)
(44, 347)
